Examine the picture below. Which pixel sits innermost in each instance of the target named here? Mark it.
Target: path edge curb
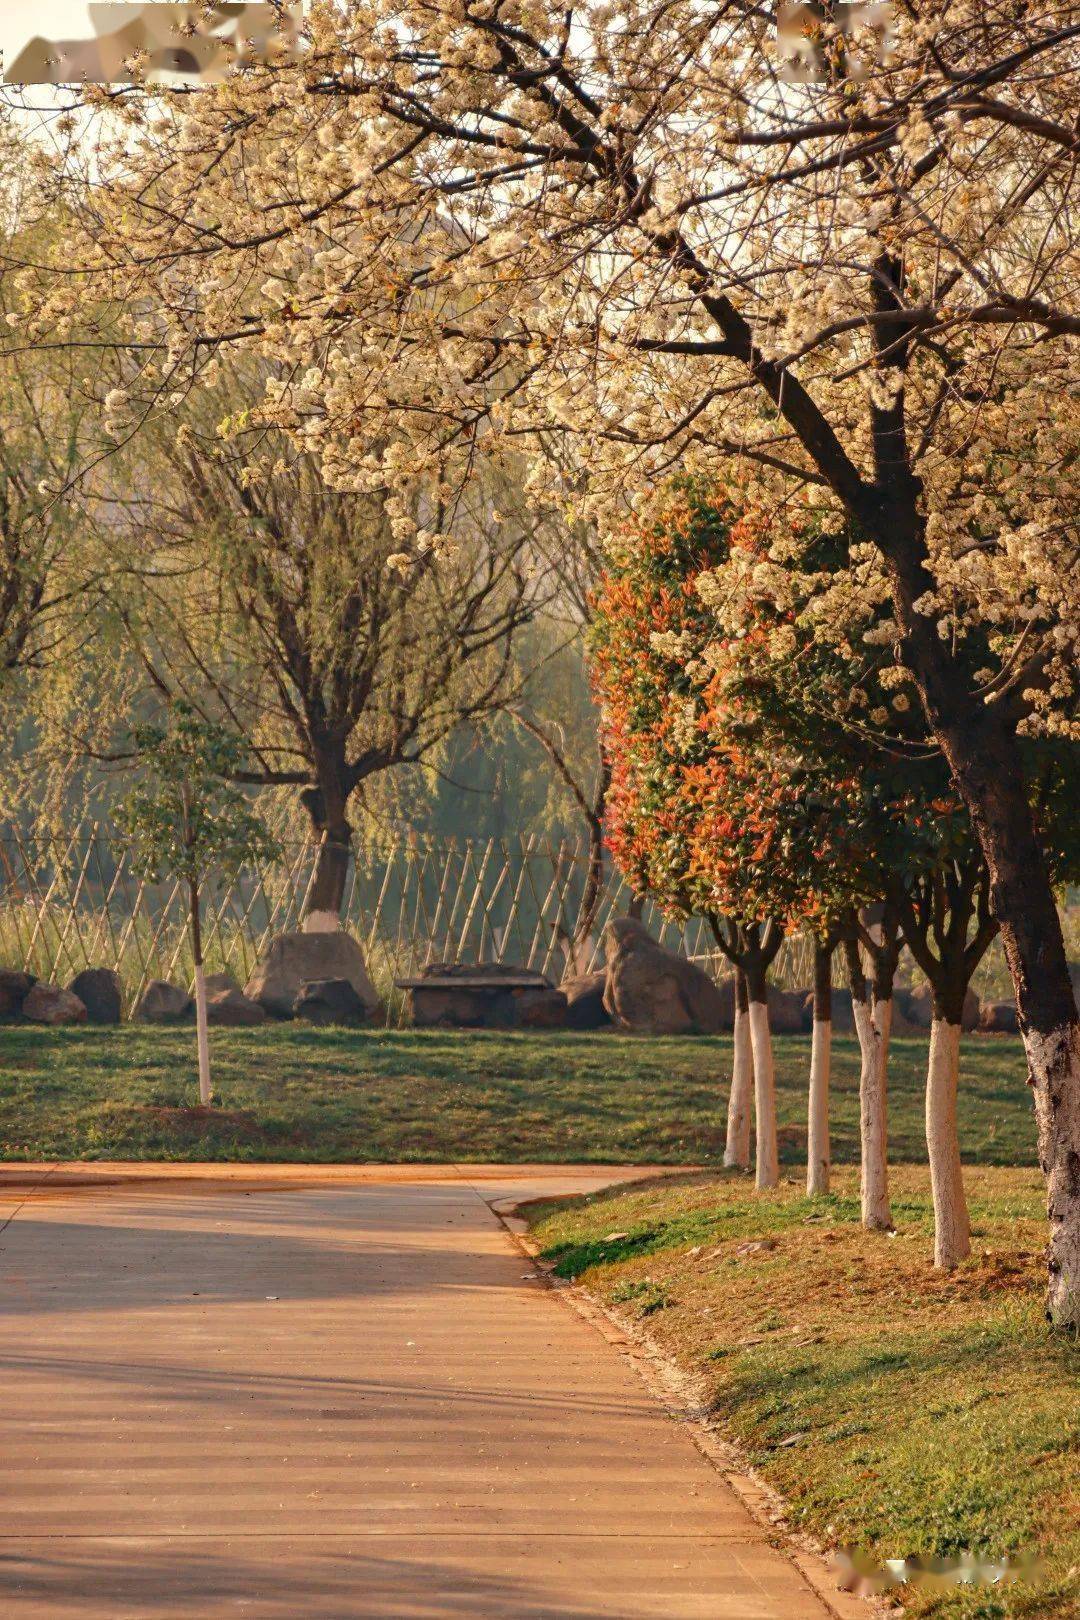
(675, 1391)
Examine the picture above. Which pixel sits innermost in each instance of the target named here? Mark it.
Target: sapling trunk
(952, 1228)
(873, 1103)
(737, 1148)
(201, 1035)
(767, 1164)
(818, 1154)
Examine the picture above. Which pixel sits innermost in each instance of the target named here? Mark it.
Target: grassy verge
(286, 1092)
(898, 1410)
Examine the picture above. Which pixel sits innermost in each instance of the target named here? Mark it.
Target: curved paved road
(335, 1402)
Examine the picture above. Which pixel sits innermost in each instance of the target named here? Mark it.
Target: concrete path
(337, 1401)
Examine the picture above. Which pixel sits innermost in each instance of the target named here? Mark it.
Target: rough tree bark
(737, 1147)
(873, 1101)
(818, 1156)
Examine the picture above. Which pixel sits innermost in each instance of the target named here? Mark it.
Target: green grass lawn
(898, 1410)
(285, 1092)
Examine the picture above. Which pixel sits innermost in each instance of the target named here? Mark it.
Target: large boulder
(330, 1001)
(164, 1003)
(998, 1018)
(99, 991)
(14, 989)
(649, 988)
(49, 1004)
(293, 960)
(584, 994)
(917, 1006)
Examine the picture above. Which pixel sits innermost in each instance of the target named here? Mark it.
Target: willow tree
(859, 284)
(286, 609)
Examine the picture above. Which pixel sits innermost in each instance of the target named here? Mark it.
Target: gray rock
(999, 1018)
(163, 1003)
(293, 960)
(585, 1008)
(649, 988)
(221, 981)
(14, 988)
(330, 1001)
(227, 1005)
(49, 1004)
(99, 991)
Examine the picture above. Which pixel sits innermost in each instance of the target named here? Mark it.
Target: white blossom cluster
(442, 250)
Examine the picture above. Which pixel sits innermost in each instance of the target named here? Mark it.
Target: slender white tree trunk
(1054, 1067)
(201, 1035)
(737, 1149)
(767, 1162)
(952, 1228)
(817, 1135)
(818, 1154)
(873, 1124)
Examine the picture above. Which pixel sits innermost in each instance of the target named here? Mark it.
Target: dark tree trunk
(326, 805)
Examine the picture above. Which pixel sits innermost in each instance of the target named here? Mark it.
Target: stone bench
(484, 996)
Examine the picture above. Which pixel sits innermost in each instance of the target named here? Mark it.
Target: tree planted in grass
(186, 819)
(716, 806)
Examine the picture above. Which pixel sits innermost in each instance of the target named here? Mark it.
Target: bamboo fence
(72, 902)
